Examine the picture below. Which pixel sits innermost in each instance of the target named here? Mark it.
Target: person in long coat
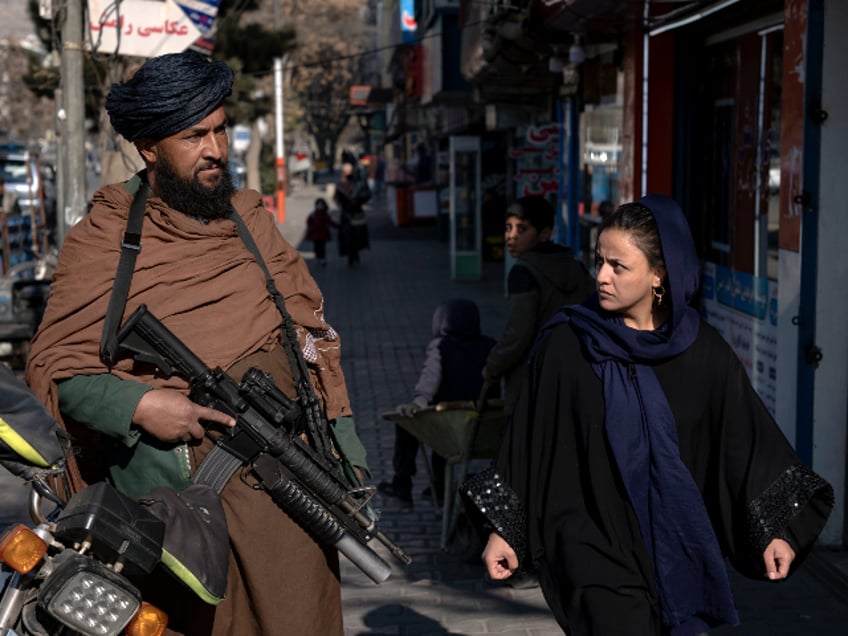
(351, 194)
(641, 455)
(195, 274)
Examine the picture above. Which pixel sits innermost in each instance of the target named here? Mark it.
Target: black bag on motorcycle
(196, 546)
(30, 439)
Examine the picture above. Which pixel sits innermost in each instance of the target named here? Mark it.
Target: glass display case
(465, 209)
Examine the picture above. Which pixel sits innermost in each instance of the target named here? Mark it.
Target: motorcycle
(69, 573)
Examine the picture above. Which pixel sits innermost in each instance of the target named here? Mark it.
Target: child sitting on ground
(451, 372)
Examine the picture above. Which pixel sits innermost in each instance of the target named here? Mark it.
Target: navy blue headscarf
(168, 94)
(688, 565)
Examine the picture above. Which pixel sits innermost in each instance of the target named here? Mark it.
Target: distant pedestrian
(379, 176)
(421, 169)
(318, 225)
(352, 193)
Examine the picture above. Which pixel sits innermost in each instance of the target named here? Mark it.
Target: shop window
(735, 153)
(600, 161)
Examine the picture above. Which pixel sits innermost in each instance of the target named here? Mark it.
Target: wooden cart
(459, 432)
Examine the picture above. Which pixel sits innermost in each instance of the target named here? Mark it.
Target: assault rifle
(268, 438)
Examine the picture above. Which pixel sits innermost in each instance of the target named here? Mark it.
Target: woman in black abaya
(641, 455)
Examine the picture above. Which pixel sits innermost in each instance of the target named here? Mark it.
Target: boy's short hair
(535, 210)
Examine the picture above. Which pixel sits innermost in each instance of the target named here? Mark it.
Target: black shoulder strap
(130, 247)
(298, 365)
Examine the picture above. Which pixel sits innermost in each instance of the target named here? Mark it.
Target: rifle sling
(220, 464)
(316, 428)
(297, 363)
(130, 247)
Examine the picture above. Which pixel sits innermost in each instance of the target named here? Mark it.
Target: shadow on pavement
(388, 620)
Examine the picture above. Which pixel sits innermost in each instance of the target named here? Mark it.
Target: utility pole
(72, 117)
(279, 64)
(279, 125)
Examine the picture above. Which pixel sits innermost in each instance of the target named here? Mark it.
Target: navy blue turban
(168, 94)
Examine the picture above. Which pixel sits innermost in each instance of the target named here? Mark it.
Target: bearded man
(197, 276)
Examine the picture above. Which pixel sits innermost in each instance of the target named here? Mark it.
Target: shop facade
(734, 108)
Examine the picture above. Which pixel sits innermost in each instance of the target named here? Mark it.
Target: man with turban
(196, 275)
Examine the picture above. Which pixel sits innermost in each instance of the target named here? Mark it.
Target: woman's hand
(500, 559)
(170, 416)
(778, 557)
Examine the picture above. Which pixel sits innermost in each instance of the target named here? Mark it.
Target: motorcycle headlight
(88, 597)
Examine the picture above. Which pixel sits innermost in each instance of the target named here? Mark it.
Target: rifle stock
(266, 437)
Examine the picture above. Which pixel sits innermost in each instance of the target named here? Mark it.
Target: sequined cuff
(496, 508)
(770, 514)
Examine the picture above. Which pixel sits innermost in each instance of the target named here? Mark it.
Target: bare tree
(334, 41)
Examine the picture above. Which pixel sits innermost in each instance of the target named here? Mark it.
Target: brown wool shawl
(199, 279)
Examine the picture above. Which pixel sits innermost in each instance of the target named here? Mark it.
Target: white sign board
(142, 28)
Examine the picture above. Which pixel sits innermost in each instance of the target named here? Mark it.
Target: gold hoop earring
(659, 292)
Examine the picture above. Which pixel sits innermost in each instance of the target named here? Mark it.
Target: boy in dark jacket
(544, 278)
(450, 373)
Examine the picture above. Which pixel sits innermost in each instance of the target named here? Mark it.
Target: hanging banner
(141, 28)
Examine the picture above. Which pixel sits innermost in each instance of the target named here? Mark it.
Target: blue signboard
(201, 12)
(408, 25)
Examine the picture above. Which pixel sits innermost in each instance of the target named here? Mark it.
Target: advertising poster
(743, 308)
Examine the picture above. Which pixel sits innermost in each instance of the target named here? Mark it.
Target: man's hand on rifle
(170, 416)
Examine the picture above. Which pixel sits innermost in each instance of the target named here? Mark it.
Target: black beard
(190, 197)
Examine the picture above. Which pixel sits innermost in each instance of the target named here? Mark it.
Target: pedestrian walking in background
(450, 372)
(351, 194)
(318, 225)
(379, 164)
(421, 169)
(544, 278)
(641, 455)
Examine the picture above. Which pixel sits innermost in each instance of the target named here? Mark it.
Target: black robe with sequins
(583, 535)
